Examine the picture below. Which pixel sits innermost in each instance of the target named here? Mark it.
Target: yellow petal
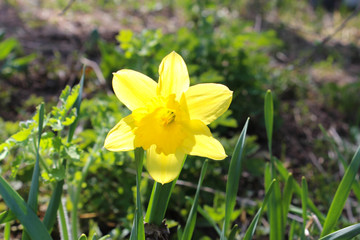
(200, 142)
(207, 101)
(121, 137)
(133, 89)
(174, 76)
(163, 168)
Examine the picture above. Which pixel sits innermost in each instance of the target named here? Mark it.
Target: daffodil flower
(169, 119)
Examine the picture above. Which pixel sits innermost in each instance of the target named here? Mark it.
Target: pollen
(168, 117)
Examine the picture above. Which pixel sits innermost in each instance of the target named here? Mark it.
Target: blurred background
(306, 52)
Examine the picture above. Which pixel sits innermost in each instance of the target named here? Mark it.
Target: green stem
(138, 231)
(63, 223)
(159, 201)
(7, 231)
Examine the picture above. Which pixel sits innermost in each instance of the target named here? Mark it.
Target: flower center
(168, 117)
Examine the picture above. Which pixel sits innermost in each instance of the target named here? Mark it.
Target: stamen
(168, 117)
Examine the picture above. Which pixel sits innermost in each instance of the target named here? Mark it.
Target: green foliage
(242, 64)
(11, 57)
(341, 194)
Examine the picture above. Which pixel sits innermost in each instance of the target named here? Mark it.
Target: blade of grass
(34, 187)
(179, 232)
(267, 177)
(233, 232)
(138, 232)
(284, 173)
(356, 184)
(341, 194)
(343, 234)
(292, 230)
(269, 118)
(7, 216)
(34, 227)
(190, 223)
(304, 197)
(232, 184)
(63, 223)
(275, 210)
(50, 215)
(251, 229)
(83, 237)
(287, 196)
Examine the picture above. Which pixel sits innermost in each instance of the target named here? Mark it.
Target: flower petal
(163, 168)
(121, 137)
(174, 76)
(201, 143)
(133, 89)
(207, 101)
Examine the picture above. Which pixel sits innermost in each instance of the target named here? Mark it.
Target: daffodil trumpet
(169, 118)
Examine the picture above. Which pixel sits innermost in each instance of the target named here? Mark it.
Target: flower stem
(159, 201)
(138, 231)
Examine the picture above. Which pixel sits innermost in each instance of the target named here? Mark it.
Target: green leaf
(138, 232)
(304, 197)
(73, 152)
(70, 118)
(344, 234)
(232, 184)
(7, 216)
(269, 117)
(292, 230)
(275, 213)
(251, 229)
(6, 47)
(341, 194)
(287, 196)
(82, 237)
(179, 232)
(22, 135)
(21, 61)
(64, 115)
(356, 184)
(34, 187)
(50, 215)
(105, 237)
(68, 97)
(233, 232)
(267, 177)
(297, 189)
(190, 223)
(34, 227)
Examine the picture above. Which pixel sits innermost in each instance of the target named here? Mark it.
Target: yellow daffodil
(168, 118)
